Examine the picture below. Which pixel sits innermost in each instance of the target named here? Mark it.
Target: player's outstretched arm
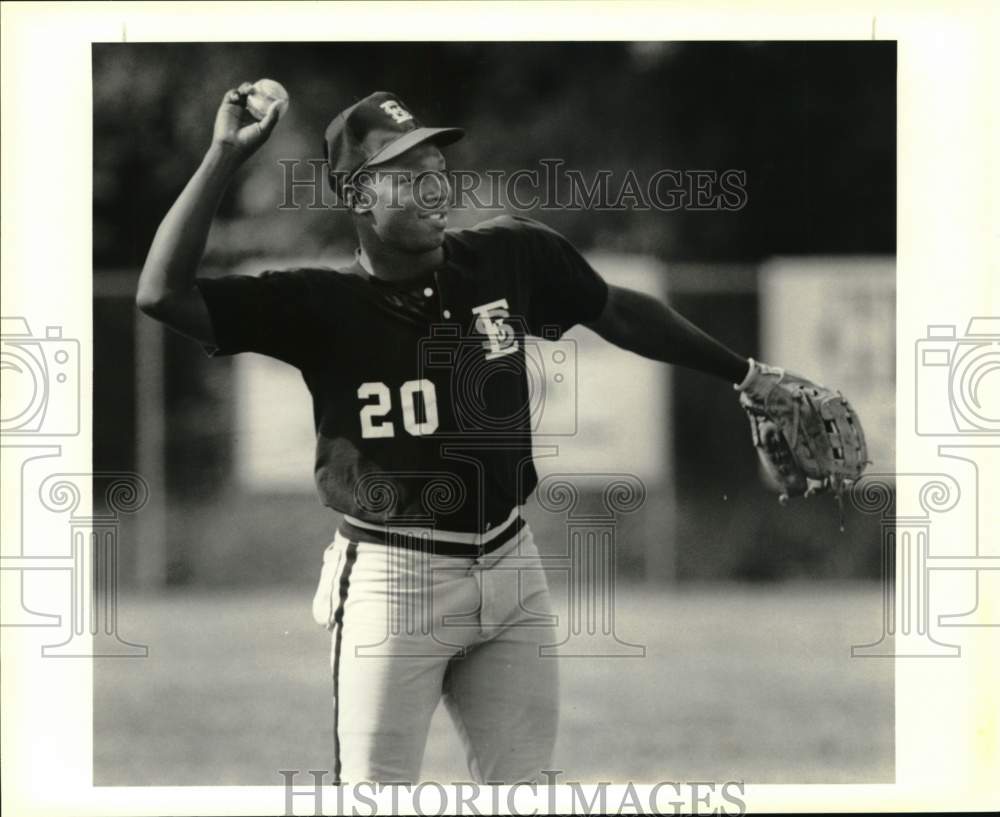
(642, 324)
(167, 289)
(809, 437)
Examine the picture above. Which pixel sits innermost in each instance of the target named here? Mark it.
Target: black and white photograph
(548, 249)
(474, 420)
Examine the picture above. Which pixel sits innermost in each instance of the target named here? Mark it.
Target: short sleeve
(268, 313)
(564, 289)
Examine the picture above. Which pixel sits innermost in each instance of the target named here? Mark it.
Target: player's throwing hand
(236, 128)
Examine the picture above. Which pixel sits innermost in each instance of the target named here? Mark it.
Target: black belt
(417, 538)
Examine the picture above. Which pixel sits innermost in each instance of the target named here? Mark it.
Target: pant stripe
(338, 623)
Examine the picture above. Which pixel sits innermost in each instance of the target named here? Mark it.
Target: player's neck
(393, 266)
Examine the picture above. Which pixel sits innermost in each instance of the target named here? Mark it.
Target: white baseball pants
(411, 628)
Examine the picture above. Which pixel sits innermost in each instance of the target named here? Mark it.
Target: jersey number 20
(373, 424)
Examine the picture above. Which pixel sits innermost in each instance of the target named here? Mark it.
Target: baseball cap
(374, 131)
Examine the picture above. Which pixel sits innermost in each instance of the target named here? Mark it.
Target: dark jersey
(420, 396)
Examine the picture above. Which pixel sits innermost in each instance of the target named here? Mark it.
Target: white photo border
(946, 724)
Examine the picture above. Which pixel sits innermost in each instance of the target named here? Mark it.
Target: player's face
(411, 200)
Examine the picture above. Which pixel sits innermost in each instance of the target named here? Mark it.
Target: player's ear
(357, 203)
(361, 194)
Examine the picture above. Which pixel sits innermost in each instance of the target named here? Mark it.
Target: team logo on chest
(491, 320)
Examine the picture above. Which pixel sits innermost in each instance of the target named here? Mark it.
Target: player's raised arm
(167, 288)
(648, 327)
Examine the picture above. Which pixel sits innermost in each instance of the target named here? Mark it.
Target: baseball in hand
(265, 93)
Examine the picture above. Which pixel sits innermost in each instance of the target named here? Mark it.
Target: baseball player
(415, 359)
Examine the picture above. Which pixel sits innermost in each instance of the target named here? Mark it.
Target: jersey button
(428, 292)
(447, 313)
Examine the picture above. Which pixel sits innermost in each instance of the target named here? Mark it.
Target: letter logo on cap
(396, 111)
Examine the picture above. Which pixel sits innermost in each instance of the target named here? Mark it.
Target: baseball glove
(808, 437)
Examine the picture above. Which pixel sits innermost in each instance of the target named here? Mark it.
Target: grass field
(747, 683)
